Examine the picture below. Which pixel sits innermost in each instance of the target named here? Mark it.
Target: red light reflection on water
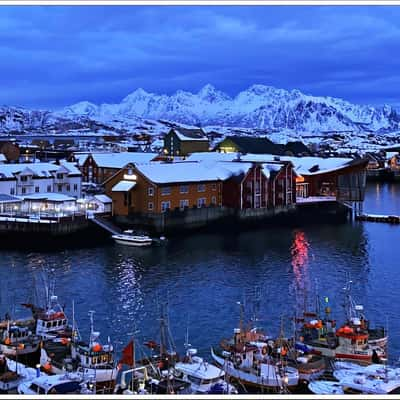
(300, 257)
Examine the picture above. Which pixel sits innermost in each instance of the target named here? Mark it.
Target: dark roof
(256, 145)
(191, 133)
(297, 148)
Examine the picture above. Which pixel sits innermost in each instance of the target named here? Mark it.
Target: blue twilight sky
(55, 56)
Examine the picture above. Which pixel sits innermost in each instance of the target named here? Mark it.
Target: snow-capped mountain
(259, 106)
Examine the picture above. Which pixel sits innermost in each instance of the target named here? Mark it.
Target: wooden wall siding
(176, 147)
(140, 197)
(192, 196)
(318, 183)
(255, 189)
(283, 187)
(99, 174)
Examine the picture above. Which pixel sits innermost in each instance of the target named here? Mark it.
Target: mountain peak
(211, 94)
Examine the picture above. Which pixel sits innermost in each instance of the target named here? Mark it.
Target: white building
(25, 179)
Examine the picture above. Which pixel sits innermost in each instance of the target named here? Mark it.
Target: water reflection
(300, 259)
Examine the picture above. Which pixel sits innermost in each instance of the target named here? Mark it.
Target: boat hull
(271, 383)
(133, 243)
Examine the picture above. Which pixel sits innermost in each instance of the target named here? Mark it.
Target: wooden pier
(390, 219)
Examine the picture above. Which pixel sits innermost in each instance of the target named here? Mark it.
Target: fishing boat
(356, 319)
(13, 373)
(90, 359)
(51, 322)
(343, 344)
(18, 340)
(129, 238)
(67, 383)
(202, 376)
(247, 358)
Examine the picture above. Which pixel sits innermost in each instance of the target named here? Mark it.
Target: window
(68, 187)
(23, 190)
(213, 200)
(24, 178)
(150, 191)
(75, 187)
(49, 188)
(150, 205)
(166, 190)
(59, 187)
(201, 187)
(37, 189)
(214, 186)
(201, 202)
(183, 204)
(184, 189)
(59, 176)
(165, 205)
(12, 190)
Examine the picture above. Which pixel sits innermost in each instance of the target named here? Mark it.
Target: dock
(390, 219)
(106, 224)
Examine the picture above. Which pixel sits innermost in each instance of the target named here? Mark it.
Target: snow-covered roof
(42, 170)
(180, 172)
(102, 198)
(119, 160)
(302, 165)
(185, 134)
(71, 167)
(52, 197)
(123, 186)
(6, 198)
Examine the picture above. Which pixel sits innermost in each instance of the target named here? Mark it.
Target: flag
(127, 354)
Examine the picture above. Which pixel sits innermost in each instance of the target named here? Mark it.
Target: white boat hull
(132, 242)
(272, 381)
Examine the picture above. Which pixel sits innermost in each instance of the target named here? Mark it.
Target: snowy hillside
(259, 106)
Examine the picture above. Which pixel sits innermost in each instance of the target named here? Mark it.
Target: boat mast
(91, 313)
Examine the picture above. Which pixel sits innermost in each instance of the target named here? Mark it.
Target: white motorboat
(369, 384)
(325, 387)
(202, 376)
(13, 374)
(69, 383)
(129, 238)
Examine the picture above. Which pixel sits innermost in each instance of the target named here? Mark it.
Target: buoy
(97, 347)
(47, 367)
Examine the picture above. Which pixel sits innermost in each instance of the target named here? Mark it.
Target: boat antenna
(187, 344)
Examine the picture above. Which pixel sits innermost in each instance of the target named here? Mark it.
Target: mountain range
(259, 106)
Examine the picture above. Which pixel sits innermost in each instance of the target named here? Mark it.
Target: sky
(53, 56)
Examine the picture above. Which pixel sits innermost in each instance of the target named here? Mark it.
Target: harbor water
(203, 276)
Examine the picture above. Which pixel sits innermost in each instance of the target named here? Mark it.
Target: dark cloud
(54, 56)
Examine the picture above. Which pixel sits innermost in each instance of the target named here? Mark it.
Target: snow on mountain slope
(257, 107)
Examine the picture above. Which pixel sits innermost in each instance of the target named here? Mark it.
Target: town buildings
(98, 167)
